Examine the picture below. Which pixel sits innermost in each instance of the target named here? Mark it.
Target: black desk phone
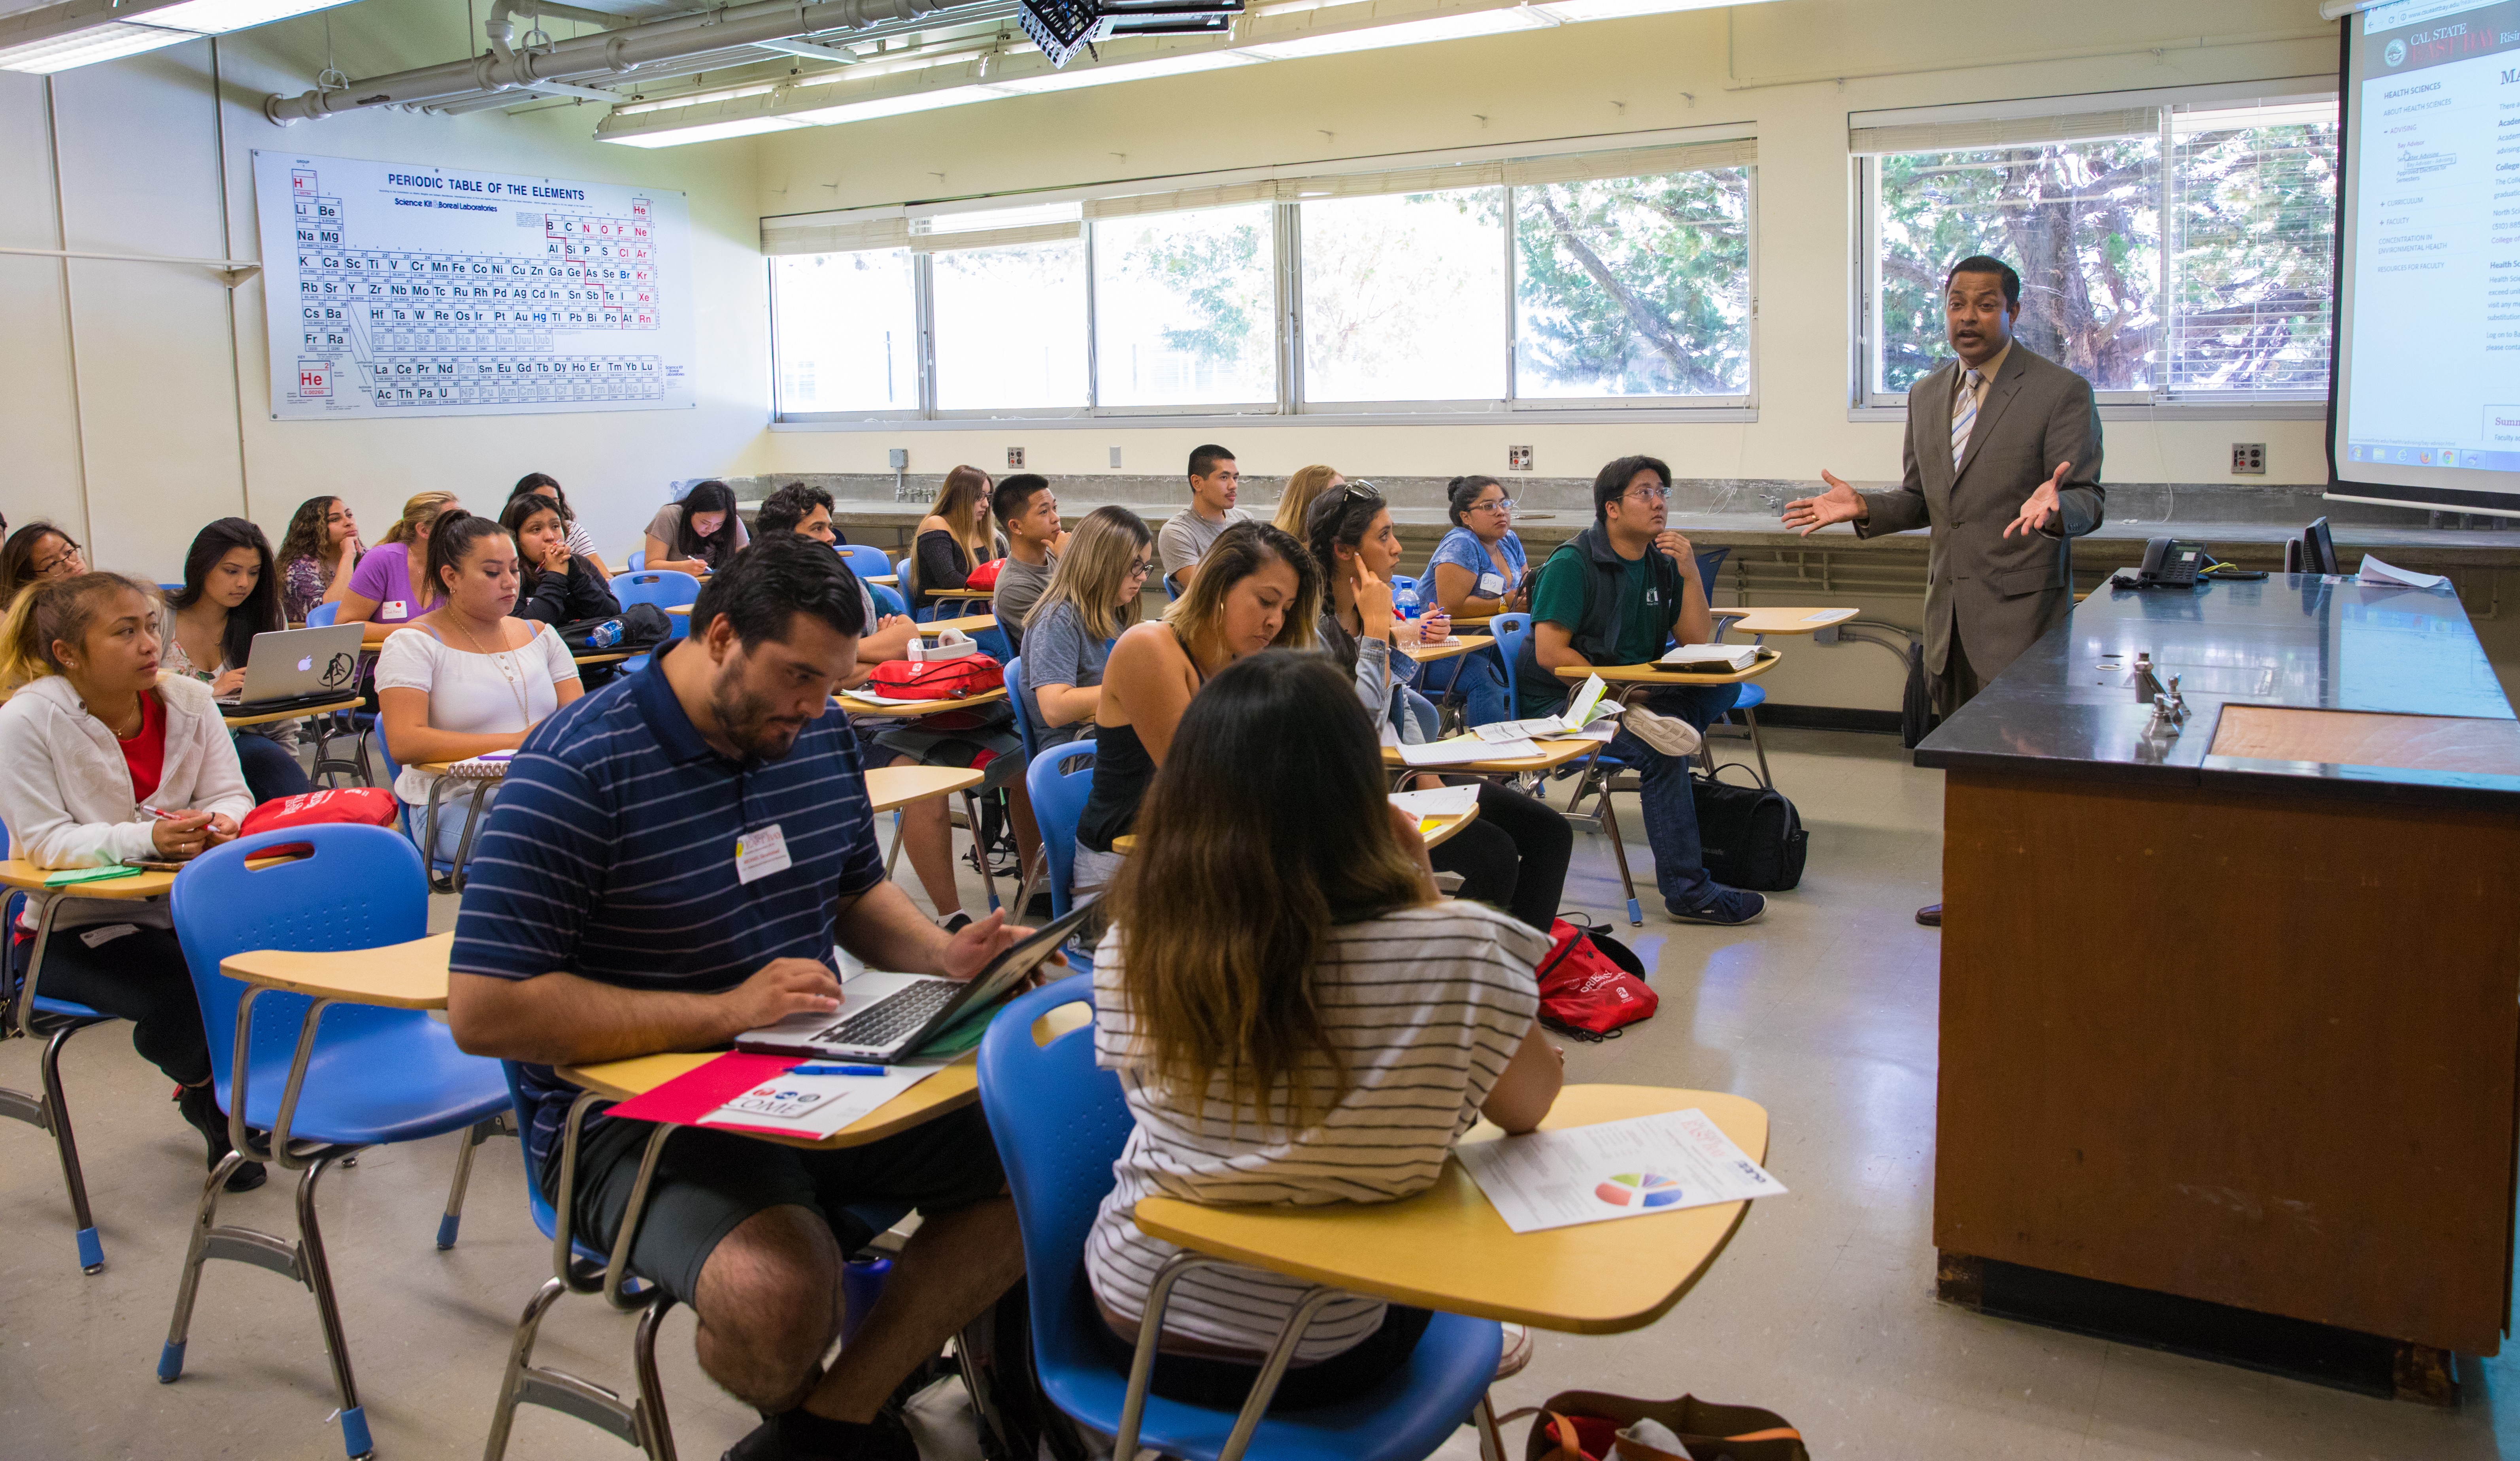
(2169, 562)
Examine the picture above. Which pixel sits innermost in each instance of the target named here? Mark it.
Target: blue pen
(837, 1071)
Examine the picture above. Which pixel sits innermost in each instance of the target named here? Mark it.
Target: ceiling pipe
(590, 57)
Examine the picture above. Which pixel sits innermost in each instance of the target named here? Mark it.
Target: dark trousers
(270, 770)
(1959, 683)
(1514, 857)
(1225, 1384)
(140, 977)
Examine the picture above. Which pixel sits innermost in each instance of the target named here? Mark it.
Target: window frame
(1290, 407)
(1866, 402)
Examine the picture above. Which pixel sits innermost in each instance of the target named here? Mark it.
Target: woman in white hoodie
(93, 739)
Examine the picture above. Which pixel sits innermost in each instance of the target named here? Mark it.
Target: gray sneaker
(1668, 734)
(1723, 905)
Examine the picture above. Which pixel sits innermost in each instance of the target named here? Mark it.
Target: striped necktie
(1963, 415)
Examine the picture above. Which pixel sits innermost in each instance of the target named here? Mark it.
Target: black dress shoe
(200, 1104)
(1931, 915)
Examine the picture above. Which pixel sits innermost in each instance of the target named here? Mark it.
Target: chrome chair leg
(641, 1421)
(656, 1432)
(57, 1120)
(1759, 745)
(1491, 1435)
(481, 1131)
(317, 1274)
(520, 1361)
(206, 1217)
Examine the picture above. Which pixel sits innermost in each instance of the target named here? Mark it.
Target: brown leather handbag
(1583, 1425)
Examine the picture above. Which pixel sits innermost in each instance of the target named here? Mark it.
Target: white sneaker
(1667, 734)
(1517, 1353)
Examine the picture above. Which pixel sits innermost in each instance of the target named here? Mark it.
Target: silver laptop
(887, 1016)
(312, 666)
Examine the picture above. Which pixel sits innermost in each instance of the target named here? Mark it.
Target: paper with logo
(756, 1093)
(1630, 1168)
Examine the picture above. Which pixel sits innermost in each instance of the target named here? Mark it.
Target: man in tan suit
(2003, 463)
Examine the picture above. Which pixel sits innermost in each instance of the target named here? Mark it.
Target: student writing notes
(609, 918)
(467, 678)
(697, 534)
(1092, 597)
(1296, 1019)
(1265, 592)
(93, 733)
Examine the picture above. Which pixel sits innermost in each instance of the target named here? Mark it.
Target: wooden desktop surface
(956, 1086)
(1447, 1249)
(1655, 674)
(2358, 737)
(890, 788)
(1777, 620)
(856, 704)
(400, 975)
(1461, 644)
(240, 722)
(1554, 754)
(970, 623)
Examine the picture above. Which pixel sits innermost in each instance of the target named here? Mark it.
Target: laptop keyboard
(893, 1019)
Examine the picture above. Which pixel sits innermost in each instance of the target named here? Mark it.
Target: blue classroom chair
(1026, 710)
(29, 1014)
(320, 1083)
(885, 600)
(866, 560)
(1059, 786)
(1059, 1124)
(665, 588)
(638, 560)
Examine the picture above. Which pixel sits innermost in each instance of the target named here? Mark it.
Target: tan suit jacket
(1998, 594)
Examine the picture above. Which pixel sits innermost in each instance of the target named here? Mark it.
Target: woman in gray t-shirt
(1091, 597)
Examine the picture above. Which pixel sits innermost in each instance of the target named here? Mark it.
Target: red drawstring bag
(984, 577)
(1588, 992)
(937, 679)
(367, 806)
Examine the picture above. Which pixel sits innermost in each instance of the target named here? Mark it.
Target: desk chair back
(638, 559)
(322, 616)
(993, 643)
(866, 560)
(1060, 1122)
(1710, 566)
(663, 588)
(1019, 696)
(1510, 630)
(1059, 796)
(886, 601)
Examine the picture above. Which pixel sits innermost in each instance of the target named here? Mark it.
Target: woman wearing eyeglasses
(38, 553)
(1477, 570)
(1090, 599)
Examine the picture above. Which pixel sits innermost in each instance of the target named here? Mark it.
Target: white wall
(1599, 78)
(172, 424)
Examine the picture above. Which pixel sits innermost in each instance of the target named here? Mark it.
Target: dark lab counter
(2230, 1020)
(2068, 706)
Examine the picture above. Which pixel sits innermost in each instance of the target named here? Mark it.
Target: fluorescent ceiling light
(1455, 27)
(695, 98)
(897, 105)
(1110, 71)
(60, 52)
(707, 131)
(61, 36)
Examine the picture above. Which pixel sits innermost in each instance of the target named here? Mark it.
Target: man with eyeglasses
(1029, 512)
(1214, 483)
(1612, 595)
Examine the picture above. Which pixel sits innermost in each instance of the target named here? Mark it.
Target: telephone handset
(2169, 562)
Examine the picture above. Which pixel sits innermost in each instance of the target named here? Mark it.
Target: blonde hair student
(1296, 1018)
(1091, 598)
(1302, 488)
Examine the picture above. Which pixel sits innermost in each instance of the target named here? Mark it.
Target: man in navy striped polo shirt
(669, 864)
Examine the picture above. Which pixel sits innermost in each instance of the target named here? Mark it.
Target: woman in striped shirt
(1295, 1017)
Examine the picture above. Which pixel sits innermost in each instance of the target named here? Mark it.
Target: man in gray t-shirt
(1184, 539)
(1029, 512)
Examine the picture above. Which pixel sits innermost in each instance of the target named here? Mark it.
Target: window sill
(1555, 416)
(2277, 410)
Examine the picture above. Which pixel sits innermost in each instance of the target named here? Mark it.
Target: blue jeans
(1480, 680)
(270, 769)
(1670, 806)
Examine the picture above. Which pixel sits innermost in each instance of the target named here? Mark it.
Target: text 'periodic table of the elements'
(405, 289)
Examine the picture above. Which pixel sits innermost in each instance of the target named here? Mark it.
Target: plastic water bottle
(1404, 600)
(604, 636)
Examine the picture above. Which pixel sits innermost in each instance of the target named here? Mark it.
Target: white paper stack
(1441, 802)
(1584, 708)
(2374, 571)
(1631, 1169)
(1460, 750)
(1713, 659)
(815, 1105)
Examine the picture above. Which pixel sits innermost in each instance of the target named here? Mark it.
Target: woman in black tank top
(1256, 588)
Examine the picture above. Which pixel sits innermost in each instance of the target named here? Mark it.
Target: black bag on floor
(1750, 835)
(638, 627)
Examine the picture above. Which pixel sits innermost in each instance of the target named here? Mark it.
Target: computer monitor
(2319, 549)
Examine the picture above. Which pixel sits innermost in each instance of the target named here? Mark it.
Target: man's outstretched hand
(2039, 509)
(1839, 504)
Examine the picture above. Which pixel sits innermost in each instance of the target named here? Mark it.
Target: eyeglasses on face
(1141, 569)
(1650, 495)
(1498, 505)
(68, 558)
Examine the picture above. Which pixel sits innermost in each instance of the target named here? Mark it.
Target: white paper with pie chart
(1631, 1169)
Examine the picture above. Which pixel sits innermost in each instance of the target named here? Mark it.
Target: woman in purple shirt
(383, 594)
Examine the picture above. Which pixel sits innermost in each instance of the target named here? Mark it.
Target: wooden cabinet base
(2320, 1353)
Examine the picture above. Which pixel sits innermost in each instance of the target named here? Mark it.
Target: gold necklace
(507, 671)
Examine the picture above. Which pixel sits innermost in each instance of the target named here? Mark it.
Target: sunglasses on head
(1359, 491)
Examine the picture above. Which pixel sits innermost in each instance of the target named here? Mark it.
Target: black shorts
(707, 1182)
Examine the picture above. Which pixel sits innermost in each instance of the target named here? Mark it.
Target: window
(1404, 298)
(847, 337)
(1182, 309)
(1460, 285)
(1010, 327)
(2166, 252)
(1636, 285)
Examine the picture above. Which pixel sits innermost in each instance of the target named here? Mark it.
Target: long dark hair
(1339, 519)
(307, 535)
(548, 485)
(17, 555)
(711, 496)
(1461, 491)
(1225, 906)
(520, 511)
(450, 541)
(259, 614)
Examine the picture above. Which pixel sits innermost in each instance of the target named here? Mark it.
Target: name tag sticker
(1491, 585)
(760, 852)
(394, 609)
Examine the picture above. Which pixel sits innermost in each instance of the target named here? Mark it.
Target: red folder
(697, 1091)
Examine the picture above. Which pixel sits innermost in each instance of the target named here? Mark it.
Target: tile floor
(1822, 1309)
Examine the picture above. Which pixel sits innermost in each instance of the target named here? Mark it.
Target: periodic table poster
(411, 289)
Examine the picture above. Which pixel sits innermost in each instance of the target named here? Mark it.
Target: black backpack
(1749, 835)
(639, 626)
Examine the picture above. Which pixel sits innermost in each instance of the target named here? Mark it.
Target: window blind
(1643, 162)
(995, 238)
(2014, 131)
(827, 235)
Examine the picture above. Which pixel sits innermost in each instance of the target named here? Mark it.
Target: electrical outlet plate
(1015, 458)
(2248, 459)
(1115, 459)
(900, 458)
(1517, 459)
